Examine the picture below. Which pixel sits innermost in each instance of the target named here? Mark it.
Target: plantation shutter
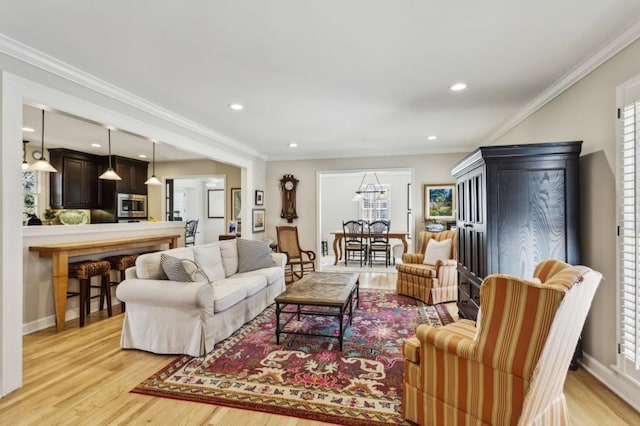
(629, 238)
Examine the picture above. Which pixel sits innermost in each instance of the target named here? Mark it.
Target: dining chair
(190, 232)
(354, 240)
(379, 241)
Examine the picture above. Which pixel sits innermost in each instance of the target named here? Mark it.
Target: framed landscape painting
(439, 201)
(258, 220)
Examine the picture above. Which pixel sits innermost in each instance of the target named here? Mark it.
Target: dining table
(61, 252)
(338, 236)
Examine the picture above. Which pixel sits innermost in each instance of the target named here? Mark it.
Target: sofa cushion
(253, 254)
(181, 270)
(229, 253)
(251, 284)
(209, 260)
(148, 265)
(227, 296)
(272, 274)
(437, 250)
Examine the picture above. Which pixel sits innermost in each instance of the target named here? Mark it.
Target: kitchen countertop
(91, 228)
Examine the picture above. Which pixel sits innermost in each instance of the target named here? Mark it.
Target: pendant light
(42, 165)
(370, 188)
(110, 174)
(153, 180)
(25, 165)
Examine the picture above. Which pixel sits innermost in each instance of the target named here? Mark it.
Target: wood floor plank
(81, 376)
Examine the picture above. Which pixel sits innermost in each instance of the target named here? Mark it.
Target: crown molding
(48, 63)
(624, 39)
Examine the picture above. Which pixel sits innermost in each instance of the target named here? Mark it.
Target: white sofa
(176, 317)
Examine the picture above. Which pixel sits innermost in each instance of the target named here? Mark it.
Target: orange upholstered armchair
(511, 370)
(435, 281)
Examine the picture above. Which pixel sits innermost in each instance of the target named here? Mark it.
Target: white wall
(427, 169)
(587, 112)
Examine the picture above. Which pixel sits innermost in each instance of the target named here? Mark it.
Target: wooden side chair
(190, 229)
(298, 261)
(354, 240)
(379, 241)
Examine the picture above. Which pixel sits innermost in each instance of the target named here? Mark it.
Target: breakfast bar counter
(48, 249)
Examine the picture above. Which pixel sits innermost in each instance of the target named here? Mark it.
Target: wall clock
(288, 185)
(37, 155)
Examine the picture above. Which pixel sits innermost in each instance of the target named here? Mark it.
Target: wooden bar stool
(120, 263)
(83, 271)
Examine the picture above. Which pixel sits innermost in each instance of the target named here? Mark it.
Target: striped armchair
(430, 283)
(510, 370)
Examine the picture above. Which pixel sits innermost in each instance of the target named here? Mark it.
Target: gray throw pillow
(254, 255)
(181, 270)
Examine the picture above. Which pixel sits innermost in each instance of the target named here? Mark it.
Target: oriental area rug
(307, 376)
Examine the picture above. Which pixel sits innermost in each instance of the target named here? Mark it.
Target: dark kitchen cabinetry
(76, 185)
(517, 205)
(133, 174)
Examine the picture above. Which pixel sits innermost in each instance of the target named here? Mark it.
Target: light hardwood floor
(81, 376)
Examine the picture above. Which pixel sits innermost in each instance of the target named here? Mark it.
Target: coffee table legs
(278, 309)
(299, 311)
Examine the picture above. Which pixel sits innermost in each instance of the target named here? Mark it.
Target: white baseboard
(616, 382)
(50, 321)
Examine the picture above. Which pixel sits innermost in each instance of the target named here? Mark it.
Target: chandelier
(370, 188)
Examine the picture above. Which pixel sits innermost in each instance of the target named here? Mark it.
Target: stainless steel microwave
(132, 205)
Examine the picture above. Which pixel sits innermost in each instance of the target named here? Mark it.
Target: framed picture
(236, 204)
(258, 220)
(259, 198)
(440, 202)
(215, 200)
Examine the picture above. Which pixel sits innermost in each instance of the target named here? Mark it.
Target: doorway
(196, 198)
(338, 202)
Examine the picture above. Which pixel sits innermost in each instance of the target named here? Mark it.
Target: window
(629, 229)
(30, 191)
(372, 207)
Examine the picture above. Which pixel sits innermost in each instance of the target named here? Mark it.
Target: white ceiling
(339, 77)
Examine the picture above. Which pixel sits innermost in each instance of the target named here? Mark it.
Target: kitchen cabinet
(517, 205)
(133, 174)
(76, 185)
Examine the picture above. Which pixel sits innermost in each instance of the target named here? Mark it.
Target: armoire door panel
(533, 217)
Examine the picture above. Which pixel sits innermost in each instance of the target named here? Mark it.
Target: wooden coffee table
(335, 291)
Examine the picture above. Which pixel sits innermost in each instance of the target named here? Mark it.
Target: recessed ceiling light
(458, 86)
(432, 137)
(292, 145)
(96, 145)
(142, 155)
(236, 107)
(28, 129)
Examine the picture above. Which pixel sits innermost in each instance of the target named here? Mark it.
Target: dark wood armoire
(517, 205)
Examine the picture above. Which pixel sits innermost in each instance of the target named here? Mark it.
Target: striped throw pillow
(253, 254)
(181, 270)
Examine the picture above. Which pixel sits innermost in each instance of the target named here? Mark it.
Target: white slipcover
(169, 317)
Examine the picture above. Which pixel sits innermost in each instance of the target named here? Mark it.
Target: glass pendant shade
(370, 188)
(110, 174)
(153, 180)
(42, 165)
(25, 165)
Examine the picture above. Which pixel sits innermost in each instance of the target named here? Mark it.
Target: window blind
(629, 239)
